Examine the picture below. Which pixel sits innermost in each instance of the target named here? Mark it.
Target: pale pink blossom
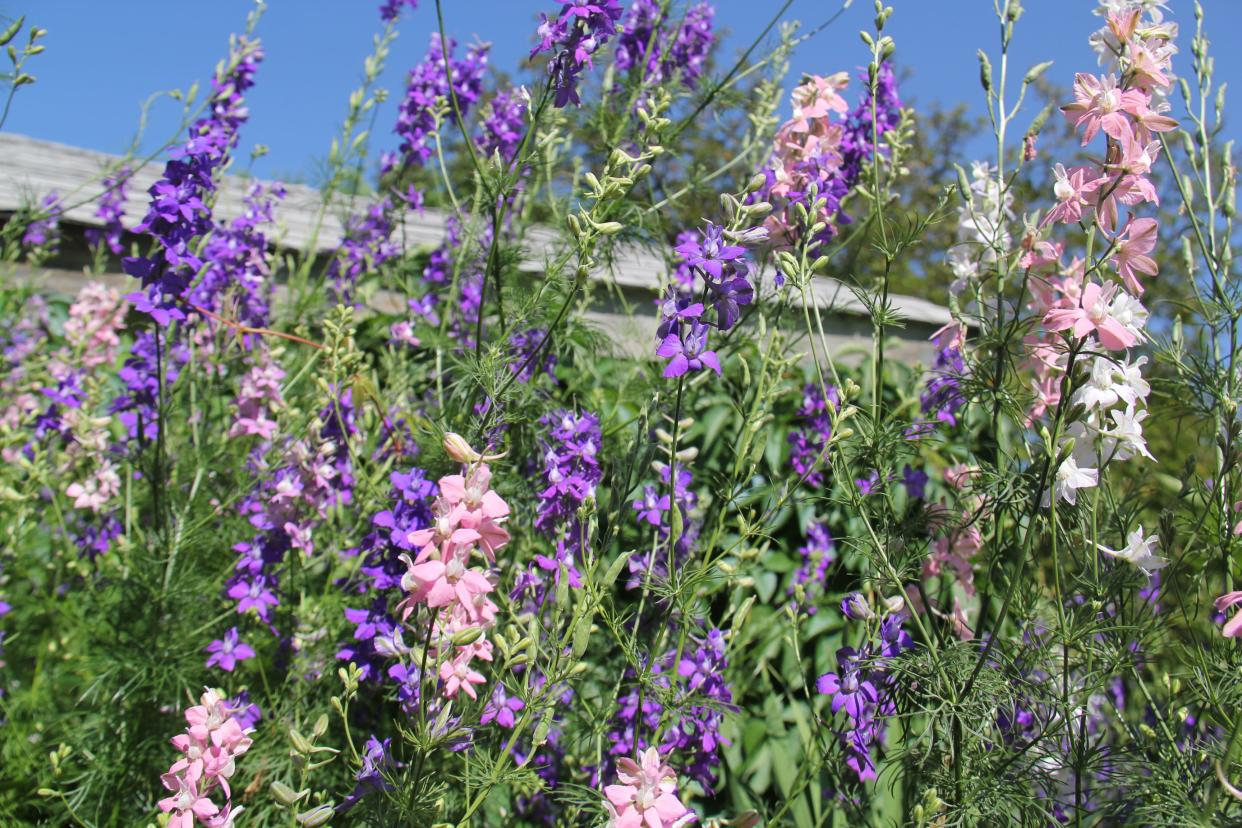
(1075, 190)
(1233, 627)
(1092, 316)
(1133, 244)
(646, 796)
(1101, 105)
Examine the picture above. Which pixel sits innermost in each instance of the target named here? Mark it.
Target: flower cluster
(504, 125)
(428, 93)
(111, 211)
(861, 689)
(366, 244)
(646, 795)
(390, 10)
(655, 508)
(676, 53)
(237, 273)
(210, 747)
(1084, 319)
(573, 37)
(942, 399)
(178, 213)
(467, 519)
(42, 233)
(810, 439)
(571, 469)
(819, 552)
(723, 272)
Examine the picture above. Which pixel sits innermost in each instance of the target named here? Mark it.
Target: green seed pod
(316, 816)
(287, 796)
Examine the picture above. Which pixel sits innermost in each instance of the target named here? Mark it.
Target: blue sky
(104, 59)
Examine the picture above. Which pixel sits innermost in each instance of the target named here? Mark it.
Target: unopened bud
(316, 816)
(456, 447)
(466, 637)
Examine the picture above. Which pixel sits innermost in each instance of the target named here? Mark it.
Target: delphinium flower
(655, 509)
(110, 209)
(210, 747)
(570, 448)
(868, 122)
(376, 758)
(721, 272)
(42, 235)
(428, 90)
(237, 267)
(809, 439)
(943, 398)
(502, 128)
(861, 690)
(573, 37)
(524, 361)
(681, 53)
(391, 10)
(377, 636)
(468, 521)
(366, 244)
(645, 795)
(227, 651)
(178, 214)
(983, 235)
(1233, 627)
(818, 552)
(698, 694)
(1083, 311)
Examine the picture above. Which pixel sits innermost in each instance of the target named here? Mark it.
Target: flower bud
(466, 637)
(456, 447)
(316, 816)
(855, 607)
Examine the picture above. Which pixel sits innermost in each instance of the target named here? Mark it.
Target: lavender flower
(681, 53)
(227, 651)
(111, 211)
(237, 262)
(943, 397)
(654, 508)
(390, 11)
(523, 362)
(860, 137)
(503, 128)
(376, 757)
(818, 553)
(366, 245)
(427, 89)
(42, 234)
(573, 37)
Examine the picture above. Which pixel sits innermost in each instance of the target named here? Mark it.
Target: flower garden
(274, 553)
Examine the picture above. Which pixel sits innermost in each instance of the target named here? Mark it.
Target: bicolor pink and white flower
(209, 749)
(646, 795)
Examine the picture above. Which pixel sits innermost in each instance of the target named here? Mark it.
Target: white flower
(1112, 382)
(1070, 478)
(1125, 439)
(1129, 313)
(1138, 551)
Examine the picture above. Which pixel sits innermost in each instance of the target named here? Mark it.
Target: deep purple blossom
(390, 11)
(376, 758)
(943, 397)
(529, 355)
(504, 126)
(861, 135)
(43, 233)
(915, 481)
(581, 29)
(237, 268)
(178, 214)
(687, 351)
(227, 651)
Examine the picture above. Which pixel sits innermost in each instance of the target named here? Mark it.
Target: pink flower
(1131, 255)
(440, 583)
(95, 492)
(1233, 627)
(1092, 316)
(458, 675)
(646, 796)
(1074, 190)
(1101, 105)
(186, 801)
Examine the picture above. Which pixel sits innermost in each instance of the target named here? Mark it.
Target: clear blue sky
(104, 58)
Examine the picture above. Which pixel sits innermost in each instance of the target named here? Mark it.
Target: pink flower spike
(1131, 255)
(1101, 105)
(187, 803)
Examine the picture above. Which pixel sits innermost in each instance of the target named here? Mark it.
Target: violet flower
(227, 651)
(573, 37)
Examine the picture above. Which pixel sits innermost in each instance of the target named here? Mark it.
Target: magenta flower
(227, 651)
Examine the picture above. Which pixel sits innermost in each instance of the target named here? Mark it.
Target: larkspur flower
(111, 211)
(1139, 551)
(227, 651)
(646, 795)
(573, 37)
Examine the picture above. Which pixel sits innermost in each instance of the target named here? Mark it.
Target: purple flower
(253, 593)
(524, 361)
(237, 268)
(915, 481)
(376, 757)
(43, 232)
(573, 37)
(869, 484)
(809, 442)
(854, 607)
(390, 11)
(227, 651)
(177, 214)
(943, 397)
(502, 708)
(851, 691)
(859, 139)
(503, 128)
(687, 351)
(818, 553)
(245, 712)
(427, 89)
(683, 52)
(111, 211)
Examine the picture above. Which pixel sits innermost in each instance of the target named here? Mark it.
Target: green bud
(582, 636)
(286, 795)
(300, 742)
(11, 31)
(985, 72)
(756, 181)
(614, 571)
(316, 816)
